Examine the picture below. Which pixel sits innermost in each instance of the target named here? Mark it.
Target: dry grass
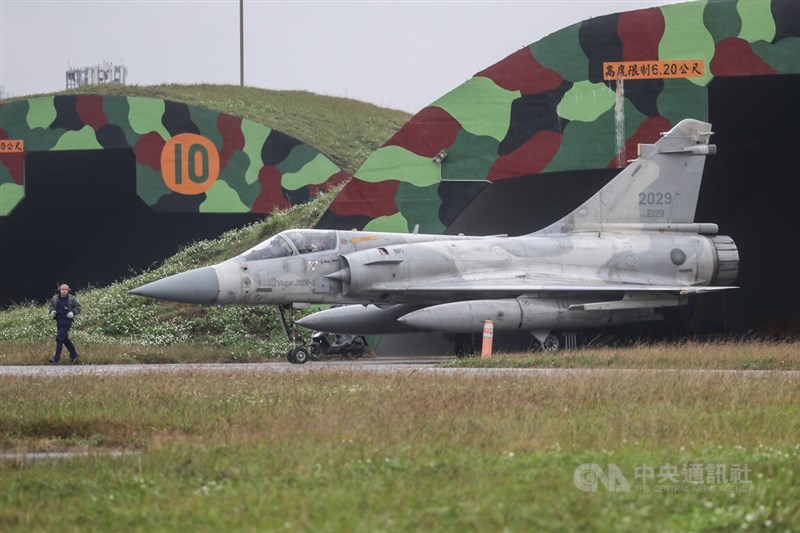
(737, 355)
(37, 353)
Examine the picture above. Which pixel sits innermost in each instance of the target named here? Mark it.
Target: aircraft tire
(290, 355)
(301, 355)
(551, 344)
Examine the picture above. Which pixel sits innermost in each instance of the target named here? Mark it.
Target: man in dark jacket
(64, 307)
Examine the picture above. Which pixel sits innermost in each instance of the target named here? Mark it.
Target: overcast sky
(401, 54)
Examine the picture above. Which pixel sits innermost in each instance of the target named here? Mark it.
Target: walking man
(64, 307)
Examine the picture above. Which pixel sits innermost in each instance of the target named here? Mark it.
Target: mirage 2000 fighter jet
(628, 250)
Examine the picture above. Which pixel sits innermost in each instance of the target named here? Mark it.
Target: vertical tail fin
(660, 187)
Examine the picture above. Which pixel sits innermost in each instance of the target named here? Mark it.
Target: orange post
(488, 335)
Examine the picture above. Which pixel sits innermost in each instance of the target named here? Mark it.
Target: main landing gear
(553, 341)
(469, 344)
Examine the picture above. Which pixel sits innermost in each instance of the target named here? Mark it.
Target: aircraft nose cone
(199, 286)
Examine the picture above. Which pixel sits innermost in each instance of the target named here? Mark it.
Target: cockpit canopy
(296, 241)
(307, 241)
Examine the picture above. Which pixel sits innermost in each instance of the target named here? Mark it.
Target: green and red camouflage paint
(259, 169)
(546, 107)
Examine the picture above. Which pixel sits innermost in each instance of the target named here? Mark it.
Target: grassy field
(348, 451)
(347, 131)
(728, 355)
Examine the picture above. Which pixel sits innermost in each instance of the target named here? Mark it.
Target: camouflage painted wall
(546, 108)
(176, 147)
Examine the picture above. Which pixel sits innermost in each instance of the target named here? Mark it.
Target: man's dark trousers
(62, 339)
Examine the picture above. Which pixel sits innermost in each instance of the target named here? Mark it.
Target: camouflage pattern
(546, 108)
(260, 169)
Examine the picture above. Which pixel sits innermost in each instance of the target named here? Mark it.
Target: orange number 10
(189, 164)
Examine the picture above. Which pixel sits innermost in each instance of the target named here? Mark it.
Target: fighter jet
(629, 250)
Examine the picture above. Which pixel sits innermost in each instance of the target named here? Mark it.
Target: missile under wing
(628, 250)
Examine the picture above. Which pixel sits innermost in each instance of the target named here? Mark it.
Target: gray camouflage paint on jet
(631, 248)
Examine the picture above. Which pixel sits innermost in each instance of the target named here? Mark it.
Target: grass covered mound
(116, 327)
(346, 131)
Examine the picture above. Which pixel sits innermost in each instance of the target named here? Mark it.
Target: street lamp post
(241, 43)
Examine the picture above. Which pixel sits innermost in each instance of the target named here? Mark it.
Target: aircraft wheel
(551, 344)
(290, 355)
(301, 355)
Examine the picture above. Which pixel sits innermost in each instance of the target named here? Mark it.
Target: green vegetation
(349, 451)
(347, 131)
(116, 327)
(729, 355)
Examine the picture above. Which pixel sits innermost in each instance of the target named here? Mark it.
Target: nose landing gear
(297, 354)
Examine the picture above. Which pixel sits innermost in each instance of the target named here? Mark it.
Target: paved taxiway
(380, 365)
